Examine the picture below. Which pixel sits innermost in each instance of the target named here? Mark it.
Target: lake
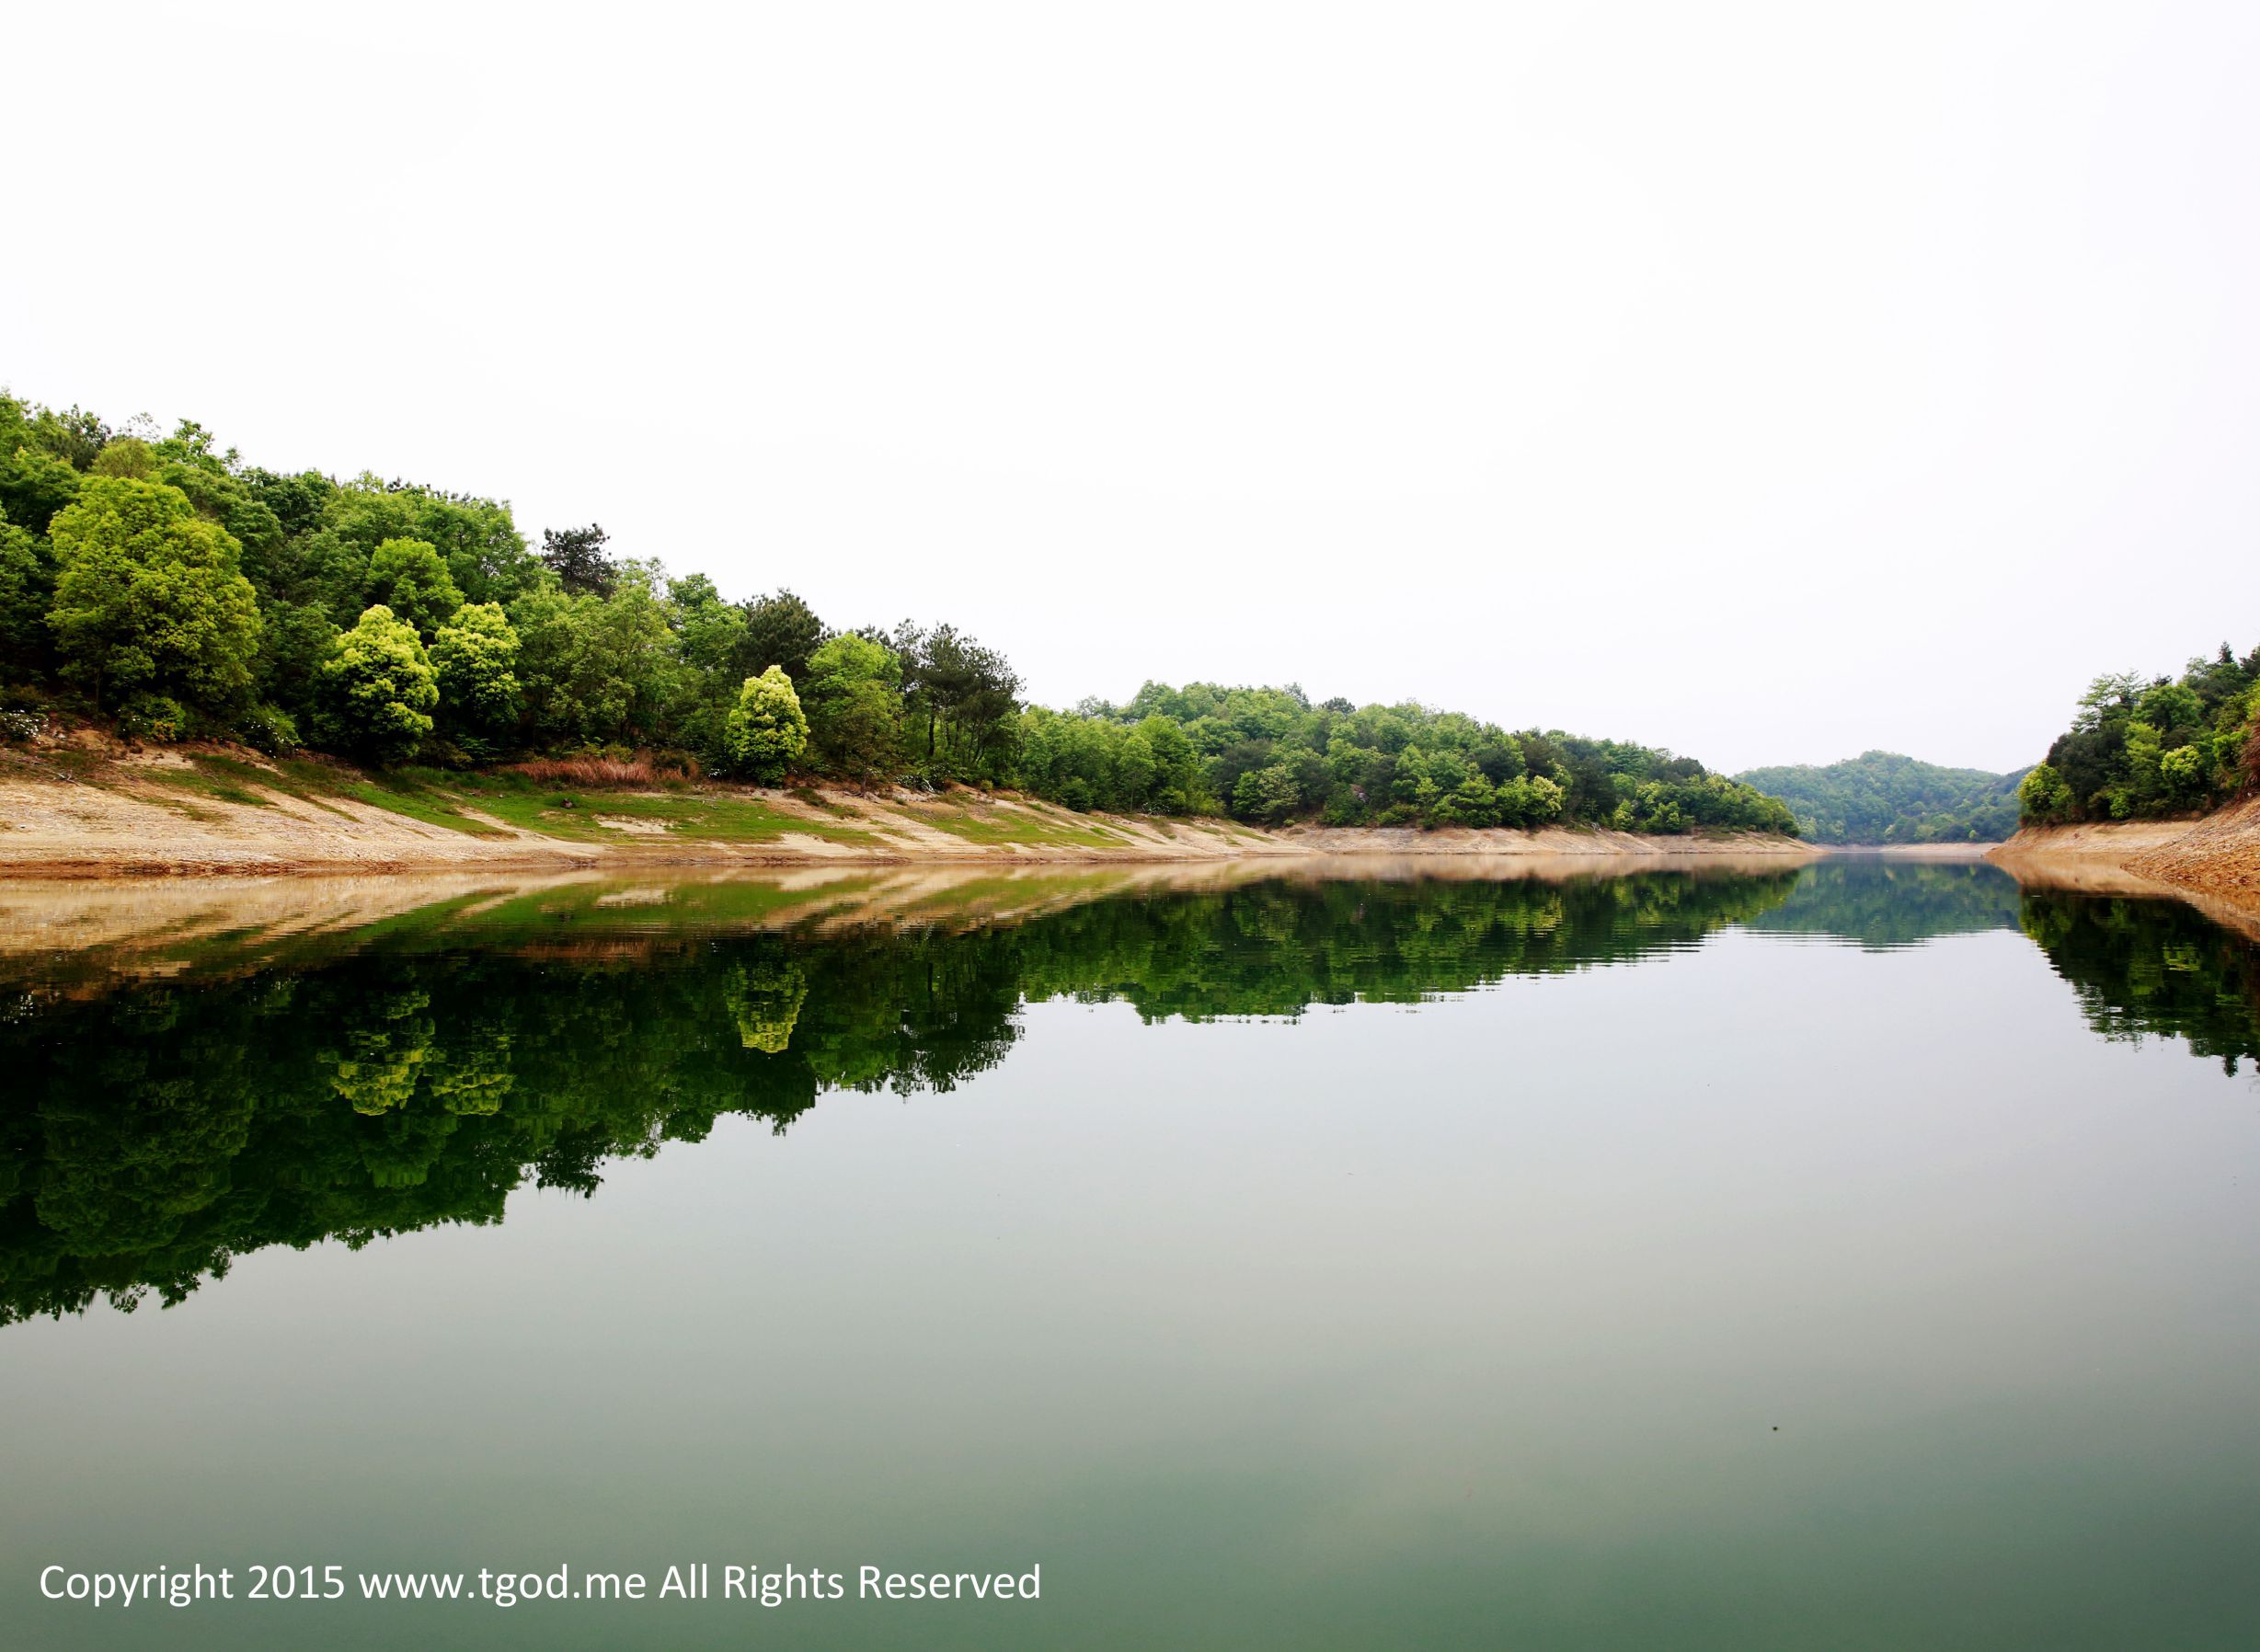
(1860, 1254)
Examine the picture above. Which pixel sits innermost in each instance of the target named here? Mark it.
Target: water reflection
(185, 1096)
(1880, 903)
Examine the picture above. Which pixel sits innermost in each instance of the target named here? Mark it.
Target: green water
(1858, 1256)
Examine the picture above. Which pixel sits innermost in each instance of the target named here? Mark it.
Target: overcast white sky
(1766, 383)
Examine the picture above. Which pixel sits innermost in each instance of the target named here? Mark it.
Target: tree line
(163, 583)
(2143, 748)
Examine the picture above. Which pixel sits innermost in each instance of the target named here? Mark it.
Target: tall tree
(780, 630)
(148, 598)
(577, 557)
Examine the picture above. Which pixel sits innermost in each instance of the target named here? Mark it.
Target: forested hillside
(2142, 748)
(1883, 797)
(164, 585)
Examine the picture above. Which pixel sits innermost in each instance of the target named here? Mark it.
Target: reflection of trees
(377, 1068)
(765, 1001)
(2153, 967)
(147, 1139)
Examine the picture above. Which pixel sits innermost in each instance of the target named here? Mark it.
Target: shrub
(152, 716)
(597, 769)
(272, 729)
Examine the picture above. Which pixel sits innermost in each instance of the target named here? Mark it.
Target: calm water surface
(1859, 1257)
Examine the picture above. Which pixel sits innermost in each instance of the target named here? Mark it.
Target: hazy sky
(1769, 383)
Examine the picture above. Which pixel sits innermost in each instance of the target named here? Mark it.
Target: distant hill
(1883, 797)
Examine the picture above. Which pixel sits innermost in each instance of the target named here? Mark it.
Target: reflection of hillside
(148, 1136)
(1884, 902)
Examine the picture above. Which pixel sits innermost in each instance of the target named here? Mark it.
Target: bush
(270, 730)
(155, 717)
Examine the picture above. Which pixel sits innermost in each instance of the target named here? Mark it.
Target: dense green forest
(1882, 797)
(2140, 747)
(163, 583)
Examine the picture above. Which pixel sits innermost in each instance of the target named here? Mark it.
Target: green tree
(853, 695)
(148, 599)
(596, 667)
(379, 688)
(294, 641)
(964, 701)
(407, 577)
(577, 557)
(486, 555)
(780, 630)
(26, 592)
(471, 660)
(1269, 795)
(767, 731)
(127, 457)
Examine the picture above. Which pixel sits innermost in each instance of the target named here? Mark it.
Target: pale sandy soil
(118, 826)
(2217, 857)
(117, 818)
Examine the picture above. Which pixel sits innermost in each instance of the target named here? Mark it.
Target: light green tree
(408, 576)
(767, 731)
(765, 1000)
(472, 657)
(379, 688)
(148, 599)
(127, 457)
(2043, 795)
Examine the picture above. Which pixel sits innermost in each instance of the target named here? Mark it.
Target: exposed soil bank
(2218, 856)
(223, 813)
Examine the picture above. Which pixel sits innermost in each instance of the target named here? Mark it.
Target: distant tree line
(163, 583)
(2142, 748)
(1883, 797)
(1271, 755)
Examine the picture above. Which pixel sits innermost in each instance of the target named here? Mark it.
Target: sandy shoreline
(2215, 858)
